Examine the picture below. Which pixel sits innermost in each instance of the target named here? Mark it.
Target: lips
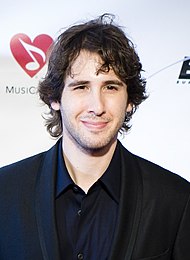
(95, 125)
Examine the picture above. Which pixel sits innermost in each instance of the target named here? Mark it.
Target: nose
(96, 102)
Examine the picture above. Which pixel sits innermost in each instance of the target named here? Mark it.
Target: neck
(86, 168)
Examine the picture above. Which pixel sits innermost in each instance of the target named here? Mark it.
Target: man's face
(93, 105)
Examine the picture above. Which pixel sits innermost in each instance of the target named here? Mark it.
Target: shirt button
(79, 212)
(75, 189)
(80, 256)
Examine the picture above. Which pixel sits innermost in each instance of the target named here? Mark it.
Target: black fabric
(153, 215)
(86, 222)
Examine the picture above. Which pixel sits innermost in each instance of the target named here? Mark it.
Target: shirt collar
(110, 180)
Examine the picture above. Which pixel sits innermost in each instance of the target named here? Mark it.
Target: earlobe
(129, 107)
(55, 106)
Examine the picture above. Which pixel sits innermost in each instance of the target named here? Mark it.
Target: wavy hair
(108, 40)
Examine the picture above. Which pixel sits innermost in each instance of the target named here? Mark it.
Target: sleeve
(182, 243)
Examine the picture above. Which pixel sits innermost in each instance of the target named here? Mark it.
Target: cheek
(119, 106)
(70, 108)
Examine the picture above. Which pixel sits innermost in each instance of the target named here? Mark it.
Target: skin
(93, 107)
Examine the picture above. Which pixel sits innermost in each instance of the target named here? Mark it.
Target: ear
(129, 107)
(55, 106)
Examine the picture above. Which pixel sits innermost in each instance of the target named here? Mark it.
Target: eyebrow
(114, 82)
(85, 82)
(78, 82)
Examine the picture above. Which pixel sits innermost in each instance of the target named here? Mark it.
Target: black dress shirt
(86, 222)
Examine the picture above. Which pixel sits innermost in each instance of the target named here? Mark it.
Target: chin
(97, 147)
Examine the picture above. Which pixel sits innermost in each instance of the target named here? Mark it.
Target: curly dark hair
(108, 40)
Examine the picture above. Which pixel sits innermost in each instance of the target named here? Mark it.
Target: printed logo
(184, 75)
(185, 69)
(31, 56)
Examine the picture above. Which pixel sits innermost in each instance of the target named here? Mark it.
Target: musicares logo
(31, 56)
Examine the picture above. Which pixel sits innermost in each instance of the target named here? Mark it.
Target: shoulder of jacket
(157, 176)
(28, 164)
(22, 165)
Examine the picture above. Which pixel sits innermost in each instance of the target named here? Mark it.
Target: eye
(80, 87)
(112, 87)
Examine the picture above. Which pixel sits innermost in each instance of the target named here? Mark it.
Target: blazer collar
(129, 207)
(45, 205)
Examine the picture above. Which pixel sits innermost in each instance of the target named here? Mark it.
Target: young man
(88, 197)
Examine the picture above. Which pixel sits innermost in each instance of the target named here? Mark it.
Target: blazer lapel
(45, 203)
(129, 209)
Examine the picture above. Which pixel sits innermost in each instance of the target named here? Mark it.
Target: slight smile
(94, 125)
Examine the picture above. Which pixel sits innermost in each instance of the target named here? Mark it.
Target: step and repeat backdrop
(160, 31)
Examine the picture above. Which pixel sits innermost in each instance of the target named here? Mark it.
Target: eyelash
(110, 87)
(79, 87)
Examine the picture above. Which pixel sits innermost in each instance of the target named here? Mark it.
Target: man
(88, 197)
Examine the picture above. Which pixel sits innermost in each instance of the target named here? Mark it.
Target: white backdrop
(160, 30)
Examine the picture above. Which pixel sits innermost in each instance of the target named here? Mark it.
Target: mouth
(94, 125)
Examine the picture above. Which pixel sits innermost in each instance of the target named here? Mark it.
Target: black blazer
(153, 220)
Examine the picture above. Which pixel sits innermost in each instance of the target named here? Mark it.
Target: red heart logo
(31, 56)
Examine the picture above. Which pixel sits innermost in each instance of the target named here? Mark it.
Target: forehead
(86, 60)
(88, 67)
(89, 63)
